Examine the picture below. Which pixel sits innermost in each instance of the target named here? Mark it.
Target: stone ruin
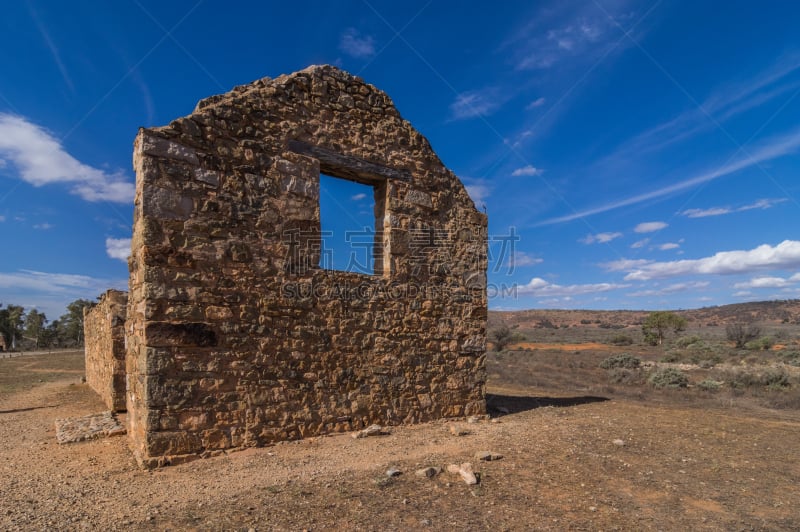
(235, 335)
(104, 333)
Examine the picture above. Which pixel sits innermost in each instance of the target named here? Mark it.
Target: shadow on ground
(513, 404)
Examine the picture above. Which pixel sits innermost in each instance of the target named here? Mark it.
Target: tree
(35, 326)
(741, 333)
(658, 324)
(71, 323)
(11, 324)
(501, 337)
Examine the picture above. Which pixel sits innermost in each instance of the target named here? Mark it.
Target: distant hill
(765, 312)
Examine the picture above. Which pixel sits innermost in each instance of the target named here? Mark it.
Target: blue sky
(646, 154)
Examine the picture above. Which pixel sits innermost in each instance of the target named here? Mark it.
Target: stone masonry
(236, 337)
(104, 331)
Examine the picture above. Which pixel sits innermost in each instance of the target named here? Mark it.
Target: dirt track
(678, 469)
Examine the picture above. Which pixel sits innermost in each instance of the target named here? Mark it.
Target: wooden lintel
(347, 166)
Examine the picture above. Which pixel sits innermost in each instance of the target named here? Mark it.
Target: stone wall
(104, 333)
(235, 335)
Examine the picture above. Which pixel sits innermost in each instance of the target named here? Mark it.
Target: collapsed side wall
(236, 337)
(104, 333)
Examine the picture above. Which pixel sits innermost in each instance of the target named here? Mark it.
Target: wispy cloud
(771, 149)
(669, 245)
(528, 170)
(599, 238)
(541, 288)
(649, 227)
(44, 226)
(763, 204)
(520, 258)
(671, 289)
(472, 104)
(51, 46)
(353, 43)
(565, 31)
(358, 197)
(640, 243)
(538, 102)
(725, 103)
(764, 257)
(118, 248)
(40, 159)
(478, 189)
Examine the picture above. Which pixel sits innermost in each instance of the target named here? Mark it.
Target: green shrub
(668, 378)
(621, 339)
(709, 385)
(686, 341)
(623, 360)
(775, 378)
(762, 344)
(624, 376)
(672, 357)
(791, 357)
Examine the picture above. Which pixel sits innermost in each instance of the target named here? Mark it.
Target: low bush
(621, 339)
(709, 385)
(624, 376)
(762, 344)
(775, 378)
(791, 357)
(672, 357)
(668, 378)
(686, 341)
(623, 360)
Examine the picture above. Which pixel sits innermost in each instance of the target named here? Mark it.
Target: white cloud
(767, 282)
(43, 226)
(527, 171)
(702, 213)
(538, 102)
(765, 203)
(520, 258)
(2, 218)
(640, 243)
(773, 148)
(475, 103)
(356, 45)
(540, 288)
(118, 248)
(649, 227)
(625, 264)
(795, 277)
(51, 292)
(41, 160)
(743, 293)
(478, 189)
(669, 245)
(764, 257)
(671, 289)
(358, 197)
(599, 238)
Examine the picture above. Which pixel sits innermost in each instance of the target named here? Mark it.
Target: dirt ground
(671, 468)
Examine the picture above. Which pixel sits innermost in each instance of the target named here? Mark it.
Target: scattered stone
(495, 420)
(88, 427)
(473, 419)
(619, 443)
(393, 472)
(425, 522)
(487, 456)
(466, 473)
(455, 430)
(372, 430)
(428, 472)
